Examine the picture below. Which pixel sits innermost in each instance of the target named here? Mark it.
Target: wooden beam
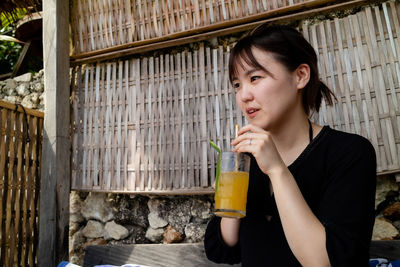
(180, 192)
(28, 111)
(6, 75)
(55, 168)
(21, 58)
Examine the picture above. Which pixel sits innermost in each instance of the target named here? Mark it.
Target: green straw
(213, 145)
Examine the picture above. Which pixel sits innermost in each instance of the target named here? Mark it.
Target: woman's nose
(246, 93)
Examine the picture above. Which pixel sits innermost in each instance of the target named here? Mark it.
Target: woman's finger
(246, 136)
(248, 146)
(250, 128)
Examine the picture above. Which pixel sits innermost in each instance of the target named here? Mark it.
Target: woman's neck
(292, 137)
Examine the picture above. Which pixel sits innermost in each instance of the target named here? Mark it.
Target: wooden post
(55, 174)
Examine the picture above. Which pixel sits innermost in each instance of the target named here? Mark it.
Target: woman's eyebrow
(247, 73)
(251, 71)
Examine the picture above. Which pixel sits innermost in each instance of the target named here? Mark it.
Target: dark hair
(290, 48)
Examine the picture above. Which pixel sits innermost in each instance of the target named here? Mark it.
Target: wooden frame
(55, 179)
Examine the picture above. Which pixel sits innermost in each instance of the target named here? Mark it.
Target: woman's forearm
(304, 232)
(230, 231)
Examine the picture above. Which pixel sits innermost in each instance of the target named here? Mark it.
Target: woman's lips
(252, 112)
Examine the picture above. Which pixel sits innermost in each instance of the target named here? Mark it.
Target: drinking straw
(236, 158)
(236, 130)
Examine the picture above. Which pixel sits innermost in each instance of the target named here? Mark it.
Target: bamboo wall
(143, 124)
(20, 153)
(359, 60)
(100, 24)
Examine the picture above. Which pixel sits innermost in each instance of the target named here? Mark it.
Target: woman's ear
(302, 75)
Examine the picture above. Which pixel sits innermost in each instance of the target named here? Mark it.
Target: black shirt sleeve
(347, 206)
(215, 247)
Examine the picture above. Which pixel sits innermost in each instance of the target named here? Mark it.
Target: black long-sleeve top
(336, 174)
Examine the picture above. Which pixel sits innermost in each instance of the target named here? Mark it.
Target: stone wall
(387, 205)
(101, 218)
(26, 89)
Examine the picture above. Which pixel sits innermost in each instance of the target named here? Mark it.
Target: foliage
(9, 50)
(9, 53)
(12, 9)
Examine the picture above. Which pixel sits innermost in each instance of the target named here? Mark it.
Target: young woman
(312, 188)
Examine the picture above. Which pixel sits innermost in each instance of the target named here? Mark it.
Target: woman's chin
(257, 123)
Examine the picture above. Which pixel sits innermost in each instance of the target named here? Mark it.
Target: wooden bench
(385, 249)
(189, 254)
(154, 255)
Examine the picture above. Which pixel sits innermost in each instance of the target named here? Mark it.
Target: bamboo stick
(203, 128)
(4, 186)
(143, 162)
(163, 145)
(177, 122)
(125, 140)
(152, 108)
(136, 141)
(185, 127)
(100, 119)
(157, 113)
(211, 109)
(9, 238)
(197, 130)
(191, 124)
(19, 189)
(85, 126)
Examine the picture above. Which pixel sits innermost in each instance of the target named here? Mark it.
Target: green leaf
(217, 174)
(6, 19)
(9, 39)
(215, 146)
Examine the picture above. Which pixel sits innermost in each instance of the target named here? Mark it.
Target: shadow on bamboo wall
(143, 124)
(20, 154)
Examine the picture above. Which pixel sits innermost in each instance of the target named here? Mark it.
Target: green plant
(218, 171)
(10, 48)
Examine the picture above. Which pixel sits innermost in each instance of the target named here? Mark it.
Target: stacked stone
(387, 205)
(26, 90)
(99, 218)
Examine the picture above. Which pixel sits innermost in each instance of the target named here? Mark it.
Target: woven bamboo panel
(359, 59)
(100, 24)
(20, 153)
(144, 124)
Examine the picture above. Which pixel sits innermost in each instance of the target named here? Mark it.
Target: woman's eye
(236, 85)
(253, 78)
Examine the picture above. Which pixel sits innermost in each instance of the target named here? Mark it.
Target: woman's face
(266, 97)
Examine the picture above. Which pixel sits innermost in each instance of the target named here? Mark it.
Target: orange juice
(231, 196)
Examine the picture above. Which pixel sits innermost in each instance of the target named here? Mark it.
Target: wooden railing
(20, 154)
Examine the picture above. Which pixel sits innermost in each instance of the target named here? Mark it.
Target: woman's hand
(258, 142)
